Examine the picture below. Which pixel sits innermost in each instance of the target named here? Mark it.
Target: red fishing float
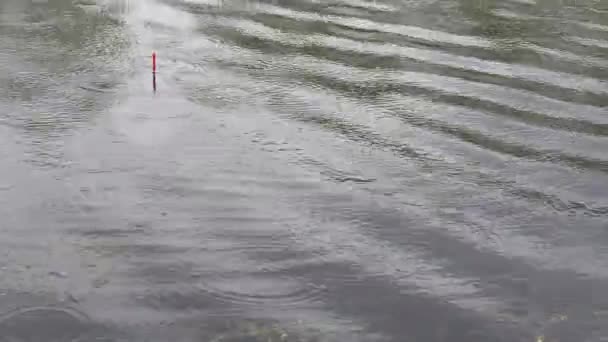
(154, 62)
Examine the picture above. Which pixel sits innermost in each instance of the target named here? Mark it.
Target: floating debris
(97, 283)
(58, 274)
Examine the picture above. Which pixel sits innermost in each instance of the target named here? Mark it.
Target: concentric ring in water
(43, 324)
(262, 291)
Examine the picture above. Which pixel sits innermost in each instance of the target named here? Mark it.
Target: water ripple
(347, 163)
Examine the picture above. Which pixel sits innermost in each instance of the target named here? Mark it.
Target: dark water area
(311, 170)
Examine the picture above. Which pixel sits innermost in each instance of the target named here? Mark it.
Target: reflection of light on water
(106, 7)
(118, 6)
(162, 15)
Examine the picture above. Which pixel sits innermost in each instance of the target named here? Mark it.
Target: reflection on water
(345, 170)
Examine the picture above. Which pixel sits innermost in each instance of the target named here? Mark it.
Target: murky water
(311, 170)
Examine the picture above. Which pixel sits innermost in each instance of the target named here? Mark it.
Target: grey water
(310, 170)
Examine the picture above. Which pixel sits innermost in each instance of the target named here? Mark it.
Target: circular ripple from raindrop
(262, 291)
(43, 324)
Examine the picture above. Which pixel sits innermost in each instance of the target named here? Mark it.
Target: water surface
(313, 170)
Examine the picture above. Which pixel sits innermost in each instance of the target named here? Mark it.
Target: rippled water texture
(311, 170)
